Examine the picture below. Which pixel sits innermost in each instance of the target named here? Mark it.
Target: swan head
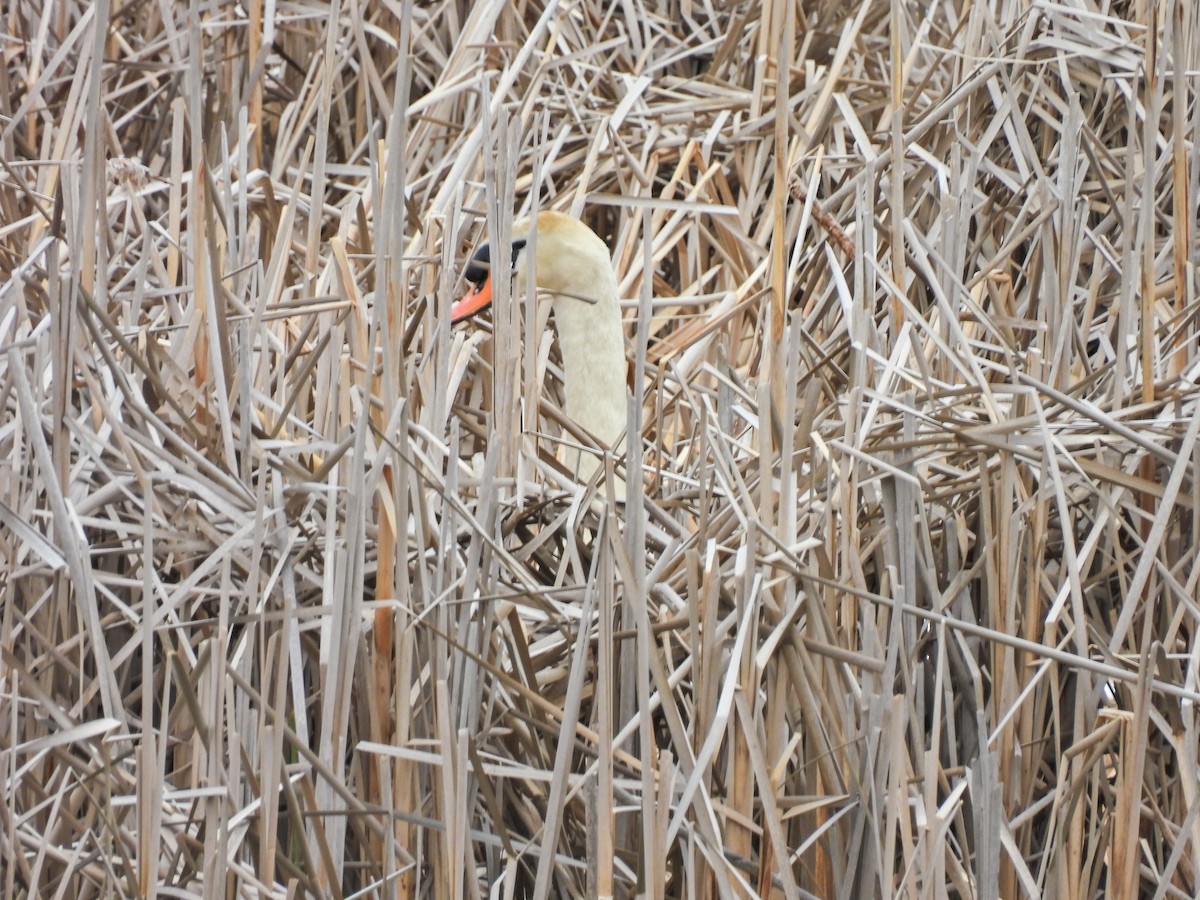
(571, 263)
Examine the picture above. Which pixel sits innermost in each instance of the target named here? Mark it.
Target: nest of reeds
(298, 601)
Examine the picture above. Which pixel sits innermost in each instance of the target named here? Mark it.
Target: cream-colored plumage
(572, 265)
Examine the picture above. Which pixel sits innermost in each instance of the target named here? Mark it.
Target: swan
(572, 264)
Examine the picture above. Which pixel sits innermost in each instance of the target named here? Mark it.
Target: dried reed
(297, 602)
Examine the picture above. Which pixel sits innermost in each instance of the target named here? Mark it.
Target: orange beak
(479, 299)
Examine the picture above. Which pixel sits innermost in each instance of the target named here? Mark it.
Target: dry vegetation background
(296, 601)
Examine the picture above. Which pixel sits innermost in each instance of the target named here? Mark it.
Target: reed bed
(297, 601)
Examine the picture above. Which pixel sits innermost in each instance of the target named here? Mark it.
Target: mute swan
(572, 264)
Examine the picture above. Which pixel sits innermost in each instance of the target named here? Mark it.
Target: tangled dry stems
(297, 600)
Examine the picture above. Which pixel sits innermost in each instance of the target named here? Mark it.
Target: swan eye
(480, 265)
(481, 261)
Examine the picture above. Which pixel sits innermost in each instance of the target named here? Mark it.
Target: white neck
(572, 263)
(593, 351)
